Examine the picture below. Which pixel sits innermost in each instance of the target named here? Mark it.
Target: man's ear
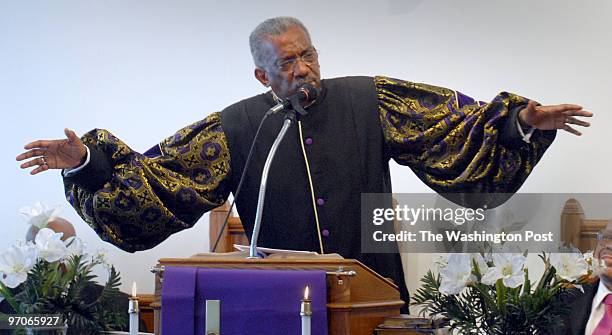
(262, 76)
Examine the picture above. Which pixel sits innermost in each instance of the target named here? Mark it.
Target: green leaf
(501, 296)
(10, 299)
(527, 284)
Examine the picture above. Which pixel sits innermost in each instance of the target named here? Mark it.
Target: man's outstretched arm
(455, 144)
(134, 201)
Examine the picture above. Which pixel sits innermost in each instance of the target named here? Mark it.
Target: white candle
(306, 313)
(133, 311)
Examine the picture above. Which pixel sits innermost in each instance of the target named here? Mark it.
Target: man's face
(603, 255)
(291, 62)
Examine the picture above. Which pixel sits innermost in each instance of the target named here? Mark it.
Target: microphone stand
(289, 119)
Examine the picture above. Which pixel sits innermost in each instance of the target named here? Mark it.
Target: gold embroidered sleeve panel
(146, 199)
(454, 143)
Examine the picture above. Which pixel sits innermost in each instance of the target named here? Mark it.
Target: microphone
(306, 93)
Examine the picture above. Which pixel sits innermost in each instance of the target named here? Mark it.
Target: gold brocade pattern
(452, 142)
(148, 199)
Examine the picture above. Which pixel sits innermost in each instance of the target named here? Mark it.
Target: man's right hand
(54, 154)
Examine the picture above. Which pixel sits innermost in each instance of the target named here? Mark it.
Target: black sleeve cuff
(95, 174)
(509, 133)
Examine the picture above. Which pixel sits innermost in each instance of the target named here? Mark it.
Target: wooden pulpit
(578, 231)
(358, 299)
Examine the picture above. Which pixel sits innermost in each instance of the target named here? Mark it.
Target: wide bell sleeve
(134, 201)
(455, 144)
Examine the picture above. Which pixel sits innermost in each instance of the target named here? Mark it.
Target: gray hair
(270, 27)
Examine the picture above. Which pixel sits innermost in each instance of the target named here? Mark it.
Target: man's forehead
(294, 40)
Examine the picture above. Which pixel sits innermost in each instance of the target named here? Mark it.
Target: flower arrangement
(497, 297)
(52, 276)
(39, 215)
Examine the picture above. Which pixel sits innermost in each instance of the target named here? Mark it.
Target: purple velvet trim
(464, 100)
(153, 152)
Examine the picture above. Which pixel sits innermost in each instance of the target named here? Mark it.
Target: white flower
(457, 274)
(569, 266)
(50, 245)
(100, 256)
(74, 246)
(39, 214)
(506, 220)
(508, 267)
(480, 261)
(15, 264)
(441, 261)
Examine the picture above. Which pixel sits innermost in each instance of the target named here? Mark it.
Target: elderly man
(592, 311)
(338, 151)
(600, 317)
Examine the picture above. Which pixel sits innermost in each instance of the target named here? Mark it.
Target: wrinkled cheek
(606, 276)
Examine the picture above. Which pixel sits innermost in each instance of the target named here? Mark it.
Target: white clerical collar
(276, 98)
(602, 293)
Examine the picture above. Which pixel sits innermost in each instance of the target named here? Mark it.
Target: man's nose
(300, 69)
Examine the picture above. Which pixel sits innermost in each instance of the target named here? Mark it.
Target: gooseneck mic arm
(305, 94)
(290, 118)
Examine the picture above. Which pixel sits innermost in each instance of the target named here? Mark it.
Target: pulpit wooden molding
(147, 312)
(358, 299)
(578, 231)
(232, 234)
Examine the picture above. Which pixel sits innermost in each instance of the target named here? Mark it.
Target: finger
(39, 169)
(37, 144)
(572, 130)
(33, 162)
(31, 153)
(71, 135)
(575, 121)
(578, 113)
(561, 108)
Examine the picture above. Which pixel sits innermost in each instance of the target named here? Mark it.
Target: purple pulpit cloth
(252, 301)
(178, 300)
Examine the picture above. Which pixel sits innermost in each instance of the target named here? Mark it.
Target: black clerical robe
(452, 143)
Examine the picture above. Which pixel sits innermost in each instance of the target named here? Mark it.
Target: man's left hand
(554, 117)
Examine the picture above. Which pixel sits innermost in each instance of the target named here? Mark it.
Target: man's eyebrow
(307, 50)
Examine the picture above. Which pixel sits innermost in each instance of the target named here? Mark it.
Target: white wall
(143, 69)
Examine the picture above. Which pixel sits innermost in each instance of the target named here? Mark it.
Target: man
(339, 150)
(592, 311)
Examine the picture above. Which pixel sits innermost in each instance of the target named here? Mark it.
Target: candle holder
(306, 308)
(133, 311)
(306, 313)
(133, 306)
